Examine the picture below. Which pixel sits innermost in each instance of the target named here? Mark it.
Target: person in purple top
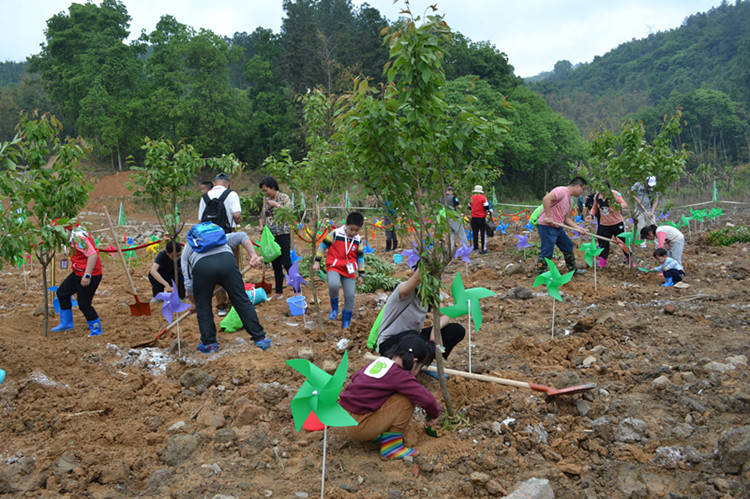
(382, 396)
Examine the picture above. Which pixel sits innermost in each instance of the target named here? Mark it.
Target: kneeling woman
(382, 396)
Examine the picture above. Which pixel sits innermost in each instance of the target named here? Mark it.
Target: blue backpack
(206, 236)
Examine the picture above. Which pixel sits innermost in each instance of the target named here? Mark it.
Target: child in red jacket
(345, 264)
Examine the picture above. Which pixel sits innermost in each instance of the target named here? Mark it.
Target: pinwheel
(579, 219)
(715, 213)
(153, 248)
(466, 302)
(463, 253)
(315, 406)
(172, 305)
(523, 243)
(293, 278)
(412, 256)
(590, 251)
(575, 235)
(685, 221)
(553, 280)
(367, 248)
(501, 226)
(675, 225)
(628, 238)
(529, 226)
(294, 256)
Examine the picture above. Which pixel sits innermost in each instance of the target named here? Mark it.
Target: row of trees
(236, 95)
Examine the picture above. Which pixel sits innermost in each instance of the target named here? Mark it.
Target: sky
(534, 34)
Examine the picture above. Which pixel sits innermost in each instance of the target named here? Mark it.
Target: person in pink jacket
(608, 213)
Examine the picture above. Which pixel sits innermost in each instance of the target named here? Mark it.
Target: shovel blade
(138, 308)
(570, 390)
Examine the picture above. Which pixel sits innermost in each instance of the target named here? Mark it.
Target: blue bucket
(397, 258)
(256, 295)
(297, 305)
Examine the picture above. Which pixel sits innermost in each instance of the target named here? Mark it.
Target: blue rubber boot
(95, 327)
(66, 321)
(334, 309)
(346, 318)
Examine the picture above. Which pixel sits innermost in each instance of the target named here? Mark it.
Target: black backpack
(215, 212)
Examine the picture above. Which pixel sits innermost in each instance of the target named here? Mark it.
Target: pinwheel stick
(325, 447)
(469, 330)
(553, 318)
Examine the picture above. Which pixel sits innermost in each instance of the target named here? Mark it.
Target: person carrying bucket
(83, 281)
(345, 263)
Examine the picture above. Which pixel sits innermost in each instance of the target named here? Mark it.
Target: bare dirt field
(669, 417)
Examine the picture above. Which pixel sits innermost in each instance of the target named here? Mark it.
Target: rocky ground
(93, 417)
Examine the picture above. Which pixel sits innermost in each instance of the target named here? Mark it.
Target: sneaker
(154, 301)
(643, 244)
(433, 374)
(207, 348)
(579, 271)
(263, 344)
(222, 311)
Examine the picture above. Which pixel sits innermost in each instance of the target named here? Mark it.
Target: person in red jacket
(345, 265)
(83, 281)
(382, 396)
(480, 207)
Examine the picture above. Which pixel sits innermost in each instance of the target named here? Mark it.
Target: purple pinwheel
(293, 278)
(171, 303)
(463, 253)
(523, 242)
(412, 256)
(575, 235)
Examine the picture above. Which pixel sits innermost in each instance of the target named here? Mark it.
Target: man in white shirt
(231, 203)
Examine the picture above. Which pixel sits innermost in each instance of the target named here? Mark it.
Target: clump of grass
(378, 273)
(729, 235)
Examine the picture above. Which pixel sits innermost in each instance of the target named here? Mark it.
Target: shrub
(729, 235)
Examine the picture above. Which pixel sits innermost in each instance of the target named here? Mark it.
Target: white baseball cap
(651, 181)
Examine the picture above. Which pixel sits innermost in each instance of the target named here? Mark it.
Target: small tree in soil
(41, 182)
(628, 158)
(321, 174)
(166, 182)
(407, 145)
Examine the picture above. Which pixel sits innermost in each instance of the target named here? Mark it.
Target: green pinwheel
(553, 280)
(628, 238)
(466, 301)
(590, 251)
(316, 403)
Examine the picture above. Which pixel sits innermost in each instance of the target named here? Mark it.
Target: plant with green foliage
(729, 235)
(410, 144)
(41, 182)
(628, 158)
(166, 181)
(322, 173)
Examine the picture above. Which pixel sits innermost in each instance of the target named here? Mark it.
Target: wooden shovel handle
(119, 250)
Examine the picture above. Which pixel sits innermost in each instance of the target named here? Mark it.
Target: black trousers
(157, 287)
(284, 261)
(222, 269)
(479, 225)
(608, 231)
(72, 286)
(452, 334)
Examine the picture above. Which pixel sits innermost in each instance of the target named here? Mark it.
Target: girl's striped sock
(392, 446)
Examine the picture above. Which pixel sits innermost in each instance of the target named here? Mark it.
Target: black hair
(660, 252)
(413, 348)
(648, 230)
(269, 182)
(355, 218)
(170, 247)
(579, 181)
(208, 184)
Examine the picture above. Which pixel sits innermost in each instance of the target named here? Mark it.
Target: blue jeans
(551, 236)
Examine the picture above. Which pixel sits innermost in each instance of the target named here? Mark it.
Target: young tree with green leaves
(322, 173)
(166, 181)
(410, 144)
(41, 182)
(628, 158)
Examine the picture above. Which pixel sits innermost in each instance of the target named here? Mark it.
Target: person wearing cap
(234, 216)
(555, 215)
(479, 207)
(644, 209)
(83, 281)
(451, 202)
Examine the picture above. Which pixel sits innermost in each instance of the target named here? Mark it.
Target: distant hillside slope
(710, 50)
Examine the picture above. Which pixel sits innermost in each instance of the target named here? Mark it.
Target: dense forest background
(237, 95)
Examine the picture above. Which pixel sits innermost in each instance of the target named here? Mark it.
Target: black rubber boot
(570, 261)
(541, 266)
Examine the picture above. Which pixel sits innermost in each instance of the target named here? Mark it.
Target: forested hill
(710, 50)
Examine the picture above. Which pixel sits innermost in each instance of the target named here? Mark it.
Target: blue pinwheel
(293, 278)
(294, 256)
(367, 249)
(171, 303)
(501, 226)
(523, 241)
(463, 252)
(529, 226)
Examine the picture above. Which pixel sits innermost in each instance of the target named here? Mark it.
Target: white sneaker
(644, 245)
(222, 311)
